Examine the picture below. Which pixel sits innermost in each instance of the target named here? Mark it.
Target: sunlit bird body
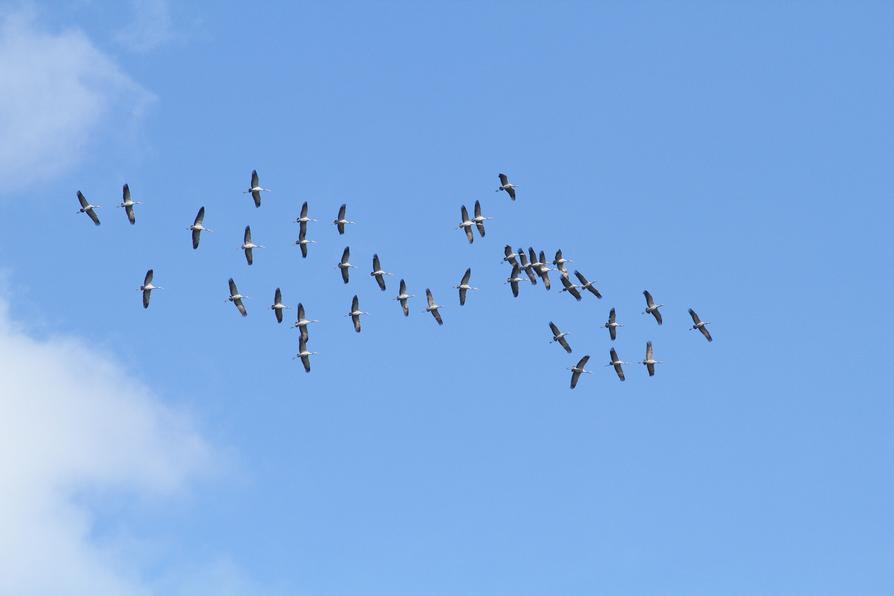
(277, 305)
(616, 363)
(433, 307)
(559, 261)
(197, 228)
(303, 353)
(586, 284)
(702, 326)
(529, 270)
(355, 313)
(651, 307)
(403, 298)
(514, 278)
(509, 256)
(345, 264)
(303, 219)
(340, 222)
(87, 208)
(248, 246)
(649, 361)
(464, 286)
(303, 242)
(507, 186)
(559, 337)
(378, 273)
(301, 322)
(612, 324)
(578, 369)
(479, 219)
(127, 202)
(147, 287)
(256, 189)
(236, 298)
(544, 270)
(466, 224)
(568, 286)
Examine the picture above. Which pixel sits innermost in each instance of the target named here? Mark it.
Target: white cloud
(150, 27)
(74, 422)
(59, 90)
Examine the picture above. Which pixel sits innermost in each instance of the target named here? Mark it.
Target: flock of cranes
(534, 264)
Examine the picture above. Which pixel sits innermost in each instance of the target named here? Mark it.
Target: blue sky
(733, 158)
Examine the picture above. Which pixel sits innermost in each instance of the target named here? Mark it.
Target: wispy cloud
(150, 27)
(74, 421)
(60, 91)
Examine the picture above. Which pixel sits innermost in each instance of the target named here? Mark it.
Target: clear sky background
(732, 157)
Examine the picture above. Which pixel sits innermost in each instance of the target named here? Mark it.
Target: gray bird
(303, 353)
(236, 298)
(529, 270)
(570, 287)
(578, 369)
(505, 185)
(303, 242)
(340, 222)
(355, 313)
(301, 322)
(559, 337)
(345, 263)
(513, 279)
(649, 360)
(197, 228)
(433, 307)
(378, 273)
(616, 363)
(87, 208)
(128, 204)
(404, 298)
(466, 224)
(612, 325)
(303, 219)
(256, 189)
(544, 270)
(585, 284)
(277, 305)
(248, 246)
(147, 288)
(651, 307)
(559, 261)
(509, 255)
(479, 219)
(700, 325)
(464, 286)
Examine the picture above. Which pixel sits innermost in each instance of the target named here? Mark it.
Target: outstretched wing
(466, 276)
(346, 255)
(376, 264)
(694, 316)
(240, 306)
(344, 274)
(380, 279)
(303, 250)
(256, 195)
(404, 306)
(196, 235)
(146, 294)
(130, 214)
(564, 343)
(303, 209)
(429, 297)
(82, 200)
(148, 279)
(246, 238)
(200, 216)
(255, 181)
(278, 313)
(249, 256)
(649, 302)
(355, 304)
(356, 320)
(504, 179)
(705, 332)
(657, 314)
(437, 315)
(233, 289)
